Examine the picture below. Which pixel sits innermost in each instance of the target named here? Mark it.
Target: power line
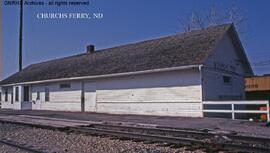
(260, 53)
(262, 63)
(261, 66)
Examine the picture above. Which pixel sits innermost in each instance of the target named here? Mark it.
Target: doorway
(82, 98)
(26, 93)
(11, 97)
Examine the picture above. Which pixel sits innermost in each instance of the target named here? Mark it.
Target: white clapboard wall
(223, 61)
(175, 93)
(60, 99)
(7, 104)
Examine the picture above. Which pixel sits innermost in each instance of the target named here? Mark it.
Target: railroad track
(23, 147)
(209, 140)
(186, 133)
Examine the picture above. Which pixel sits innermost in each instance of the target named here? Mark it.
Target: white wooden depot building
(167, 76)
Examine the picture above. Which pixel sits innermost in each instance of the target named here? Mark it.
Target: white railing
(233, 111)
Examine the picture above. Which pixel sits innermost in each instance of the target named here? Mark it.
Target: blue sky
(124, 21)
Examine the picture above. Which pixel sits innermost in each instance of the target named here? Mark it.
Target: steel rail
(164, 134)
(154, 129)
(170, 139)
(137, 136)
(176, 132)
(22, 147)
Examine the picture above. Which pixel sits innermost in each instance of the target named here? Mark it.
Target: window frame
(227, 80)
(64, 85)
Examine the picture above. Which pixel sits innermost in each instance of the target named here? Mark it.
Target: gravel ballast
(8, 149)
(241, 127)
(61, 142)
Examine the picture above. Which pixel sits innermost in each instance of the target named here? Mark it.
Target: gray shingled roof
(182, 49)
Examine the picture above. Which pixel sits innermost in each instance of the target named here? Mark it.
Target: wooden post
(233, 115)
(1, 42)
(82, 97)
(268, 112)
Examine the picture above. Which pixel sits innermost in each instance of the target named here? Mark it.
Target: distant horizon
(123, 23)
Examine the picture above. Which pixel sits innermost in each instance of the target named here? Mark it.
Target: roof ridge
(227, 25)
(135, 43)
(60, 58)
(181, 49)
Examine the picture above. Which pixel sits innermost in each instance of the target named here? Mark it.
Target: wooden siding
(223, 62)
(72, 94)
(175, 93)
(166, 87)
(17, 105)
(7, 104)
(63, 106)
(90, 96)
(67, 99)
(215, 89)
(257, 83)
(166, 94)
(225, 58)
(187, 109)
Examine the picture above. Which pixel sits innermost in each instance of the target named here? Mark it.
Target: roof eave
(106, 76)
(237, 40)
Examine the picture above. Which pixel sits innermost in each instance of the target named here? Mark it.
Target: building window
(227, 80)
(38, 95)
(47, 94)
(16, 93)
(64, 85)
(0, 96)
(6, 95)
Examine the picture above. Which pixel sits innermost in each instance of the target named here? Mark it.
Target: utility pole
(21, 36)
(1, 43)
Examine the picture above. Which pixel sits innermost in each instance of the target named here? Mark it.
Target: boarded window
(17, 94)
(47, 94)
(38, 95)
(227, 80)
(64, 85)
(6, 95)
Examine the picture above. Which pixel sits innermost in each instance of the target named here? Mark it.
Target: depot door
(26, 93)
(11, 97)
(82, 98)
